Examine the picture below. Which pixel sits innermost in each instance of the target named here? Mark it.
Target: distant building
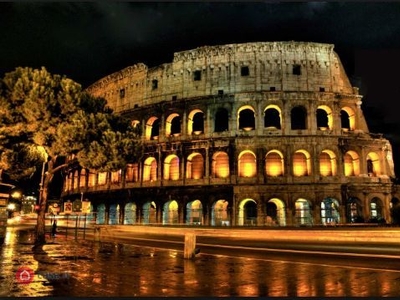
(267, 133)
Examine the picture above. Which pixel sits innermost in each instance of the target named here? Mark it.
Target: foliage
(40, 111)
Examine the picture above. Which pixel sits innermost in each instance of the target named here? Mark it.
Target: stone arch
(130, 213)
(101, 214)
(354, 210)
(195, 166)
(220, 165)
(276, 212)
(272, 117)
(301, 163)
(246, 119)
(303, 213)
(152, 128)
(324, 117)
(373, 164)
(247, 165)
(150, 169)
(247, 212)
(347, 118)
(173, 125)
(194, 213)
(327, 163)
(171, 167)
(149, 213)
(221, 122)
(219, 213)
(375, 209)
(195, 122)
(170, 212)
(298, 118)
(113, 218)
(351, 163)
(274, 163)
(330, 212)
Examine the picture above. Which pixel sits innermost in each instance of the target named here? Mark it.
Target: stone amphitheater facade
(262, 133)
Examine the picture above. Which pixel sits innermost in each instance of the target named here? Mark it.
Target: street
(83, 268)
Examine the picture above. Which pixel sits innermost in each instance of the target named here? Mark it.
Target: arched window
(220, 165)
(351, 164)
(152, 128)
(173, 125)
(376, 208)
(171, 167)
(246, 118)
(194, 213)
(196, 122)
(116, 176)
(150, 169)
(195, 166)
(221, 120)
(274, 163)
(303, 212)
(132, 171)
(324, 117)
(373, 164)
(298, 118)
(327, 163)
(82, 178)
(76, 179)
(272, 117)
(301, 163)
(102, 178)
(347, 118)
(247, 164)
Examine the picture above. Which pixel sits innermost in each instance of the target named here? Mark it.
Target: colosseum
(252, 134)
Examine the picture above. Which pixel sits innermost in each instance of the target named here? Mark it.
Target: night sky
(87, 41)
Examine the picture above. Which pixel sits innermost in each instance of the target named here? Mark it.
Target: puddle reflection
(125, 270)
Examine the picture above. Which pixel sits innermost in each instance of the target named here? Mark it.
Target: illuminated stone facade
(266, 134)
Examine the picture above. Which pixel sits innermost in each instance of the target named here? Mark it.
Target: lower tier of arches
(238, 206)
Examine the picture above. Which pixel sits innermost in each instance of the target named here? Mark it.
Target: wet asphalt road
(65, 267)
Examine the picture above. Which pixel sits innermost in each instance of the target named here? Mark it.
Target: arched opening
(303, 213)
(92, 179)
(82, 179)
(220, 165)
(114, 215)
(173, 125)
(301, 163)
(376, 209)
(194, 213)
(132, 173)
(246, 118)
(101, 214)
(247, 164)
(347, 118)
(373, 164)
(149, 213)
(272, 117)
(150, 169)
(221, 120)
(351, 164)
(298, 118)
(171, 167)
(247, 213)
(170, 213)
(324, 117)
(219, 213)
(330, 211)
(102, 178)
(76, 180)
(195, 166)
(327, 163)
(354, 210)
(196, 122)
(152, 128)
(130, 213)
(275, 214)
(274, 163)
(116, 176)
